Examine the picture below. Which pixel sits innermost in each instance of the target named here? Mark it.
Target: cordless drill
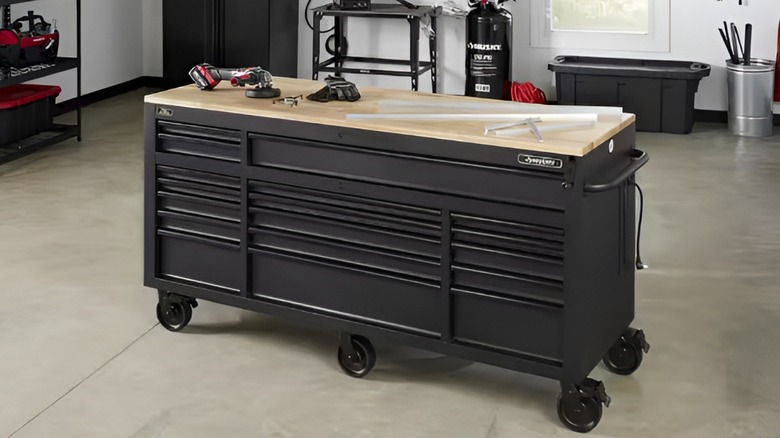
(206, 77)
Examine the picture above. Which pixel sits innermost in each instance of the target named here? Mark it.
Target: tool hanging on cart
(39, 43)
(206, 77)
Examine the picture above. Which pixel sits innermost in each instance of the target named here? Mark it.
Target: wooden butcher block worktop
(232, 100)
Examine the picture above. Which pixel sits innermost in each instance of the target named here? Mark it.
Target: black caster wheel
(360, 363)
(580, 417)
(626, 355)
(174, 315)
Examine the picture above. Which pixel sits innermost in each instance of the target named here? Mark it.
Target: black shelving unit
(60, 132)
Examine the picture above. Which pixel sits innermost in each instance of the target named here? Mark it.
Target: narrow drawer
(516, 262)
(199, 141)
(199, 225)
(524, 328)
(350, 254)
(511, 183)
(205, 262)
(198, 206)
(351, 293)
(508, 283)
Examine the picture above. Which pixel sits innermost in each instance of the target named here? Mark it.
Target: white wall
(694, 37)
(112, 41)
(152, 36)
(122, 40)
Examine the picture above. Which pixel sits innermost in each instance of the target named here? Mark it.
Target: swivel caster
(626, 355)
(580, 407)
(356, 355)
(175, 311)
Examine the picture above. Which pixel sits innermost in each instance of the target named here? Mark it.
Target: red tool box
(26, 110)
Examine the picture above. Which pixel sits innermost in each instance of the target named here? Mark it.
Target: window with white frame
(621, 25)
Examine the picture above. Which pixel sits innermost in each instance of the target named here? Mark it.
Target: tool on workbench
(336, 88)
(451, 117)
(206, 77)
(492, 128)
(537, 130)
(289, 100)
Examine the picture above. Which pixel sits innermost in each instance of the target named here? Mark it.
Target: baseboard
(720, 117)
(107, 93)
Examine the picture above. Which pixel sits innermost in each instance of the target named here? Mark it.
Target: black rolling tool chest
(505, 251)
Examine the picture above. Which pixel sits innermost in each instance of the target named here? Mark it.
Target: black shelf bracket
(5, 16)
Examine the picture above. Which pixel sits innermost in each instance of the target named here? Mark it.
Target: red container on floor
(26, 110)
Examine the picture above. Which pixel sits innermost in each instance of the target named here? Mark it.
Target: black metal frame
(60, 132)
(335, 64)
(590, 199)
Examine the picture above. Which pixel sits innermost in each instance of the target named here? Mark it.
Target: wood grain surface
(232, 100)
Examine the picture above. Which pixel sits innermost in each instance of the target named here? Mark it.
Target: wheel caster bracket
(174, 311)
(589, 388)
(345, 342)
(356, 355)
(637, 338)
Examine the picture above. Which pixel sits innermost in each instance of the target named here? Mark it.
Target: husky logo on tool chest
(166, 112)
(531, 160)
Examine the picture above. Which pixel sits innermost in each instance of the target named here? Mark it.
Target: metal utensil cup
(750, 91)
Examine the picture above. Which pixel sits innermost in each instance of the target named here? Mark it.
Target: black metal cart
(492, 249)
(414, 67)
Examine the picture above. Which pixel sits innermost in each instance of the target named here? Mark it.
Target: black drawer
(508, 284)
(348, 292)
(506, 324)
(198, 193)
(359, 256)
(199, 141)
(508, 258)
(509, 184)
(199, 225)
(346, 219)
(344, 231)
(205, 262)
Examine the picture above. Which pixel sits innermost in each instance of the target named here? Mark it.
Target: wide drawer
(344, 231)
(205, 262)
(348, 291)
(509, 184)
(199, 141)
(506, 324)
(350, 253)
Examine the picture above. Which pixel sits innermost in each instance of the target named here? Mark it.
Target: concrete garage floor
(82, 355)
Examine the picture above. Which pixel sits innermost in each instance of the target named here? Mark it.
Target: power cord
(639, 264)
(308, 23)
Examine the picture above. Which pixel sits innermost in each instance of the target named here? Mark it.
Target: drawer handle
(200, 141)
(198, 239)
(638, 159)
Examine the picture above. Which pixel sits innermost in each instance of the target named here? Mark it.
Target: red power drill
(206, 77)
